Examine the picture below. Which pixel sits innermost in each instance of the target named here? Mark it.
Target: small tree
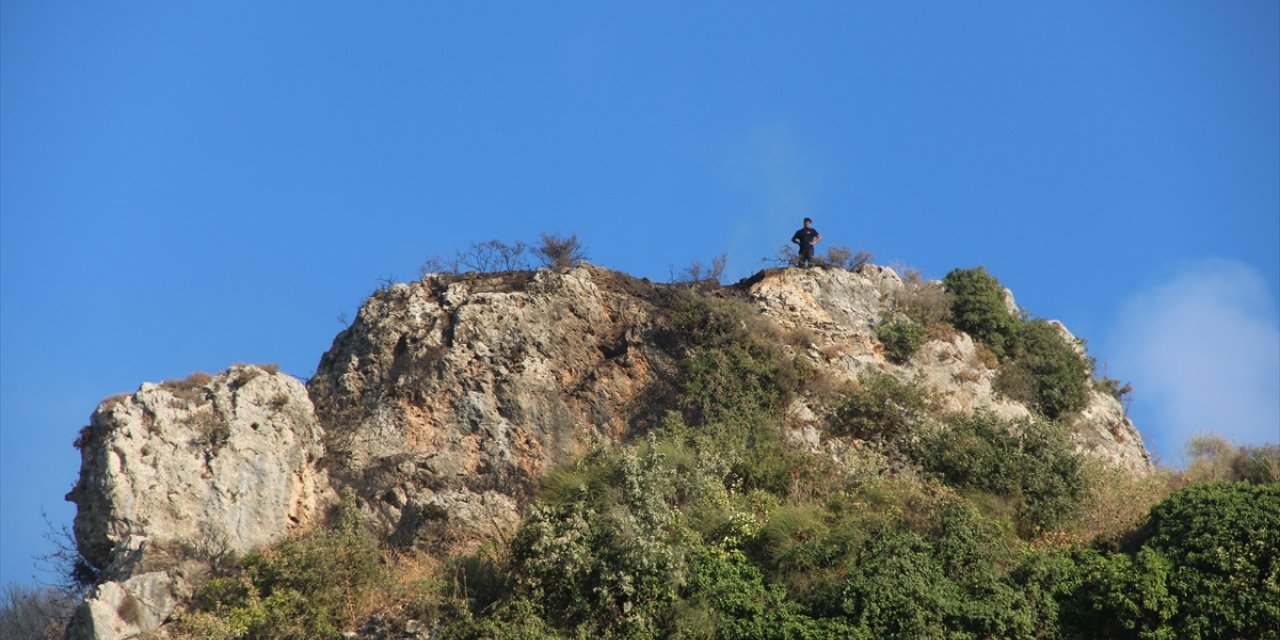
(559, 252)
(696, 272)
(978, 308)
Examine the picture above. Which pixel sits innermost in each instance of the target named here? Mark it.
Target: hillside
(579, 451)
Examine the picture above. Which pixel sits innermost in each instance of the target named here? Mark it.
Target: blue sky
(185, 186)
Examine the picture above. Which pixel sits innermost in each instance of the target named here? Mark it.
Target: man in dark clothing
(806, 238)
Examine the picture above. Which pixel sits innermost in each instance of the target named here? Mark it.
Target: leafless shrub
(438, 264)
(560, 252)
(697, 273)
(785, 256)
(75, 572)
(984, 356)
(110, 404)
(1213, 458)
(1116, 502)
(385, 282)
(842, 257)
(494, 256)
(801, 337)
(490, 256)
(926, 302)
(35, 613)
(278, 402)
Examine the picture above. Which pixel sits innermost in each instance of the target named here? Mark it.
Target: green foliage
(305, 587)
(605, 563)
(728, 371)
(978, 308)
(1045, 371)
(716, 526)
(735, 379)
(1117, 596)
(902, 338)
(883, 408)
(1222, 541)
(1040, 367)
(1030, 463)
(1208, 568)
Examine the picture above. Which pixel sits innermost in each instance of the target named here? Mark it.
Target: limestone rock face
(447, 397)
(183, 471)
(134, 608)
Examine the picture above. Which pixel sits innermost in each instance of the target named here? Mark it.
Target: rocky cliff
(180, 473)
(442, 404)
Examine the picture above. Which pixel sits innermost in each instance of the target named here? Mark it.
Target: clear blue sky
(188, 185)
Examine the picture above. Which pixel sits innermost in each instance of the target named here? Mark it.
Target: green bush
(1045, 371)
(1117, 596)
(978, 308)
(729, 368)
(1223, 543)
(1206, 566)
(1030, 463)
(902, 338)
(883, 409)
(607, 563)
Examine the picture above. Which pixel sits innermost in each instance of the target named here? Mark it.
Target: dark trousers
(806, 255)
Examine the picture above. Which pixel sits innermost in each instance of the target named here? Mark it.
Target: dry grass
(833, 351)
(927, 302)
(984, 356)
(190, 390)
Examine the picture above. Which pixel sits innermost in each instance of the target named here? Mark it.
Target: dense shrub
(902, 338)
(1045, 371)
(978, 308)
(1039, 367)
(1222, 541)
(1208, 567)
(735, 380)
(1029, 463)
(884, 409)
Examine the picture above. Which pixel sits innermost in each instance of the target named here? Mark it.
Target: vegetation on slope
(716, 525)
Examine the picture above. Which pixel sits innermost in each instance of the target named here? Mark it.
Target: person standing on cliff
(806, 237)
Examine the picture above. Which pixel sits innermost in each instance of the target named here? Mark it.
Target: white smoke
(1203, 353)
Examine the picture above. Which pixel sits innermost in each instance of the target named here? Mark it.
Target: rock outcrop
(181, 472)
(443, 403)
(448, 396)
